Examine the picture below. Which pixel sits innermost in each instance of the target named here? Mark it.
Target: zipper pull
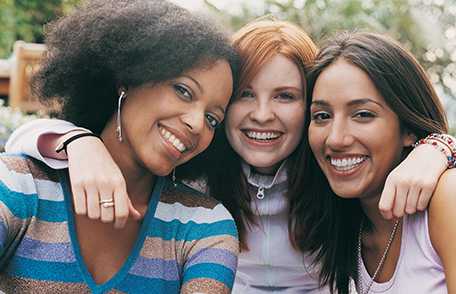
(260, 193)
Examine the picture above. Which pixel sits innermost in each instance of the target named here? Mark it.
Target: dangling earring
(122, 96)
(173, 177)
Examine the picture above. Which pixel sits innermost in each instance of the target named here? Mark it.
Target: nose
(339, 136)
(194, 120)
(262, 111)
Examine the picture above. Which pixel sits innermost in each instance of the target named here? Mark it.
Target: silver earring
(173, 177)
(122, 96)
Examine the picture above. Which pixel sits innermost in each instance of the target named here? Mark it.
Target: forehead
(213, 81)
(278, 70)
(208, 69)
(343, 80)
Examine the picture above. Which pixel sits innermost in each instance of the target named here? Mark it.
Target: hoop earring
(173, 177)
(122, 96)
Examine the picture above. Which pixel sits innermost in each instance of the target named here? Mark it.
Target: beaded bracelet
(444, 143)
(448, 140)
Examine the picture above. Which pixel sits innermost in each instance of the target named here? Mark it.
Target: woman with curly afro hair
(153, 82)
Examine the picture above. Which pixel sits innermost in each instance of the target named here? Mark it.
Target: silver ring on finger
(107, 203)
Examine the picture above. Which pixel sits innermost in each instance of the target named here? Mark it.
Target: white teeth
(173, 140)
(347, 163)
(262, 135)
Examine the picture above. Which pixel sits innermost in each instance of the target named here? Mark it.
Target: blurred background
(426, 27)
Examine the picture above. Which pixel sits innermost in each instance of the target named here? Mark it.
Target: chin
(260, 162)
(346, 193)
(161, 169)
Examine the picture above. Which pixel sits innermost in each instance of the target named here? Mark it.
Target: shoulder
(187, 196)
(21, 180)
(445, 190)
(195, 210)
(199, 184)
(15, 165)
(442, 211)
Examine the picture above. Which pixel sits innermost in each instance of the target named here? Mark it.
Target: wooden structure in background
(5, 72)
(27, 57)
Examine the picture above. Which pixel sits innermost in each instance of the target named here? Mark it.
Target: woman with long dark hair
(370, 102)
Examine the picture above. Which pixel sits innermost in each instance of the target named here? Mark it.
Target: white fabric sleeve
(25, 139)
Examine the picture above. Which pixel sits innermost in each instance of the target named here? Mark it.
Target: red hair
(259, 41)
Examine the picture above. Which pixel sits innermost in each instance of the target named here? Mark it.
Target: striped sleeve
(212, 260)
(16, 205)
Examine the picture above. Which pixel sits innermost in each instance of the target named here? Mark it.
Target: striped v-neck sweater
(187, 242)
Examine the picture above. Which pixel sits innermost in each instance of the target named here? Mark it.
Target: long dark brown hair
(328, 225)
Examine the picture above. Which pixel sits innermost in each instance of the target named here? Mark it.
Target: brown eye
(364, 114)
(212, 121)
(246, 94)
(320, 116)
(183, 92)
(286, 96)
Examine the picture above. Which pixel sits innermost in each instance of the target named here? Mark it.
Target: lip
(345, 173)
(261, 143)
(188, 143)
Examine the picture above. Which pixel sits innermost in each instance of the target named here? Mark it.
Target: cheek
(392, 153)
(234, 116)
(205, 141)
(386, 133)
(294, 120)
(316, 138)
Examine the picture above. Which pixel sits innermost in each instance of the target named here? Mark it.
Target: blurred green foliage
(452, 131)
(426, 27)
(25, 20)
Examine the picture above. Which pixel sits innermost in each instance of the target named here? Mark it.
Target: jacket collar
(265, 181)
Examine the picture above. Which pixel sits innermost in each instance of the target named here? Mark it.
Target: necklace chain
(380, 262)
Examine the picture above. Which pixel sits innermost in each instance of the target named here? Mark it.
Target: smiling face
(265, 123)
(166, 124)
(354, 135)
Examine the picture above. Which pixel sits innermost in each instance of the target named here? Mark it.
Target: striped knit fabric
(187, 242)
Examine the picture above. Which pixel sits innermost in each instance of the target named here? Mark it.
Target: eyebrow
(280, 88)
(221, 109)
(360, 101)
(195, 81)
(288, 87)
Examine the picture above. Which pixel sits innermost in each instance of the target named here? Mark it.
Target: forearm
(39, 138)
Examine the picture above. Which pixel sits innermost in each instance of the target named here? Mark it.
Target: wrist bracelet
(64, 144)
(448, 140)
(444, 143)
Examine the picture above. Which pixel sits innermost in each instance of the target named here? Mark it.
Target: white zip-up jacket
(272, 265)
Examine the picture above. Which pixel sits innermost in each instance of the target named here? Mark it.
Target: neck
(272, 170)
(139, 180)
(370, 208)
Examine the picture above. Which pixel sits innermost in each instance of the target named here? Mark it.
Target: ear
(408, 139)
(121, 90)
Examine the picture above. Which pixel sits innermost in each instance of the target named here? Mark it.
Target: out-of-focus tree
(25, 19)
(426, 27)
(440, 50)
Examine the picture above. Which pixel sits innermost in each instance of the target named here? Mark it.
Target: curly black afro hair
(107, 44)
